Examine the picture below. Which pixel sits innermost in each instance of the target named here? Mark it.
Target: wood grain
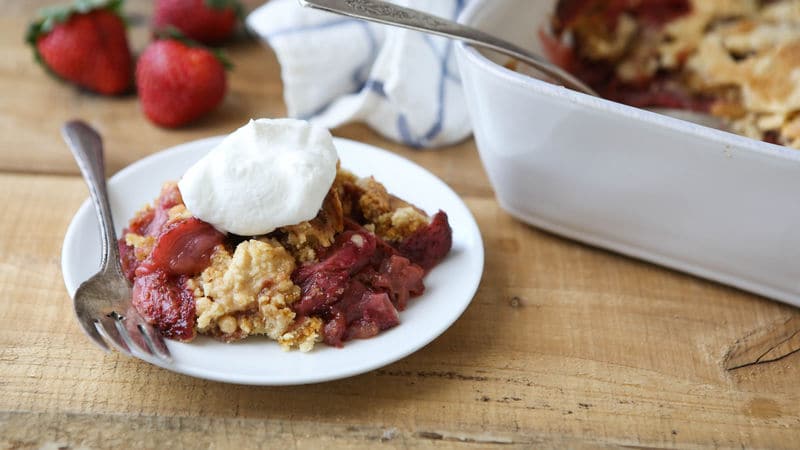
(563, 346)
(766, 345)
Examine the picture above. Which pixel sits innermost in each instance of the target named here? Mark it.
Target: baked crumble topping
(737, 59)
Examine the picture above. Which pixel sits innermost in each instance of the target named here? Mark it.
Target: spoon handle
(87, 148)
(389, 14)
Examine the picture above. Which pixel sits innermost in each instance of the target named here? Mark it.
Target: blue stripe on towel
(444, 74)
(360, 74)
(372, 84)
(375, 86)
(436, 128)
(362, 71)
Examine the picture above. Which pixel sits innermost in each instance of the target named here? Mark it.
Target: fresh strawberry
(85, 43)
(206, 21)
(179, 82)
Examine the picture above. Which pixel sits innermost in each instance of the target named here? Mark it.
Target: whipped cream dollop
(267, 174)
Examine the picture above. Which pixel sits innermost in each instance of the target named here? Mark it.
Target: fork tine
(107, 328)
(132, 337)
(149, 334)
(155, 341)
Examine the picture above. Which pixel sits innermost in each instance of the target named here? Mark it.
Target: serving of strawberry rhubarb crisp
(267, 235)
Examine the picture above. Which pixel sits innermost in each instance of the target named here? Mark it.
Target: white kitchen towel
(335, 70)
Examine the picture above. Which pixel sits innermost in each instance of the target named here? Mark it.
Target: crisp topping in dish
(345, 274)
(737, 59)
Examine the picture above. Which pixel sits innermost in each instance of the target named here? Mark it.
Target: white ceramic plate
(259, 361)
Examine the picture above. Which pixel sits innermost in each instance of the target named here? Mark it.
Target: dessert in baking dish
(234, 249)
(736, 59)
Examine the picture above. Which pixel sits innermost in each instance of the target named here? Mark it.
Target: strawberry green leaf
(235, 5)
(52, 15)
(174, 33)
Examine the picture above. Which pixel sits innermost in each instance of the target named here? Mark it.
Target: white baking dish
(703, 201)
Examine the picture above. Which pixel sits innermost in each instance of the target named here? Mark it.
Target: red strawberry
(206, 21)
(178, 83)
(85, 44)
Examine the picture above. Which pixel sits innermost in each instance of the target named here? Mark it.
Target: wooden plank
(23, 431)
(564, 345)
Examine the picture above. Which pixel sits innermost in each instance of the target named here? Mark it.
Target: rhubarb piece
(427, 246)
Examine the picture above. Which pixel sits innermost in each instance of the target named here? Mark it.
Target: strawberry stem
(171, 32)
(224, 4)
(50, 16)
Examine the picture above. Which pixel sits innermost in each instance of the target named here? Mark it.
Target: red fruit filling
(427, 246)
(650, 90)
(361, 282)
(356, 286)
(166, 303)
(182, 248)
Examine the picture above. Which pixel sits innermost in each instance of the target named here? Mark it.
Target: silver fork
(103, 302)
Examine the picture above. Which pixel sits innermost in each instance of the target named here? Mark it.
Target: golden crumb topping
(743, 53)
(248, 293)
(142, 245)
(178, 212)
(400, 223)
(393, 218)
(305, 238)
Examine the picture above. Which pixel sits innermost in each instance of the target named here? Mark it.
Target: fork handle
(389, 14)
(87, 148)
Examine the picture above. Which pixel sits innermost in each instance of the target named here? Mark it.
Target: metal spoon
(389, 14)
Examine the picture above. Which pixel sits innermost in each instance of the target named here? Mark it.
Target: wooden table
(563, 346)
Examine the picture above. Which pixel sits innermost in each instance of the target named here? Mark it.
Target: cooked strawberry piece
(359, 285)
(427, 246)
(183, 248)
(334, 328)
(323, 283)
(147, 222)
(141, 222)
(607, 12)
(377, 308)
(361, 329)
(400, 279)
(166, 303)
(170, 196)
(320, 290)
(350, 252)
(656, 92)
(375, 313)
(361, 313)
(559, 54)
